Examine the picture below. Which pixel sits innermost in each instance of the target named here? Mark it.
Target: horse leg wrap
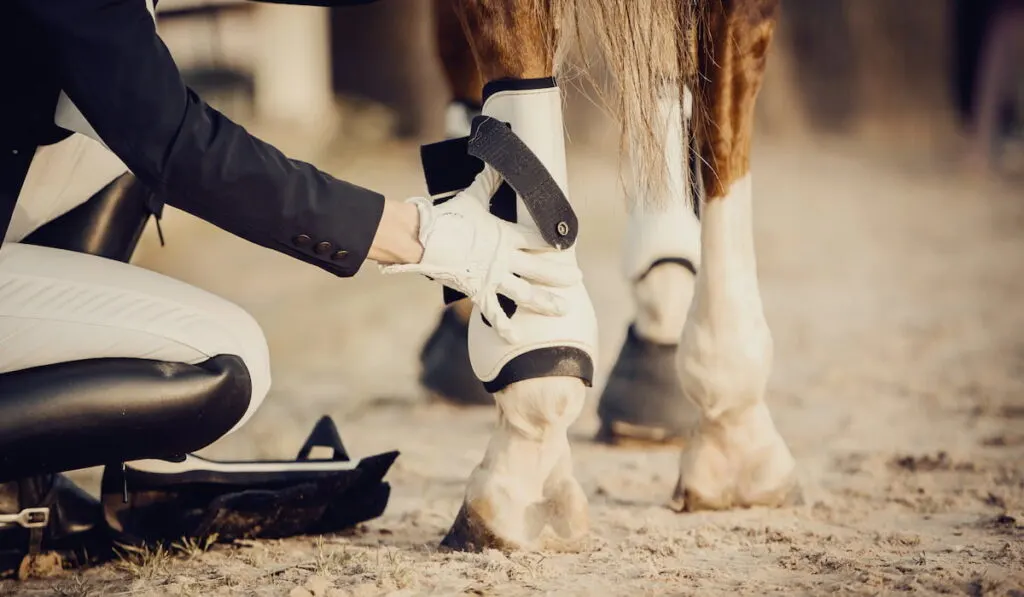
(519, 137)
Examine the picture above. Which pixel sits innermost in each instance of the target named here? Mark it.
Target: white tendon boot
(525, 481)
(642, 400)
(737, 458)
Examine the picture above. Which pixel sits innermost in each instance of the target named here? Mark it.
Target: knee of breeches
(249, 344)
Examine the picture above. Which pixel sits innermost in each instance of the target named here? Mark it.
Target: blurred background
(908, 74)
(866, 159)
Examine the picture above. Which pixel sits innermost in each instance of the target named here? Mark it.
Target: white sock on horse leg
(724, 359)
(725, 354)
(662, 236)
(523, 478)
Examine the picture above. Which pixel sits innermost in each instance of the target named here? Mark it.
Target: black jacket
(108, 59)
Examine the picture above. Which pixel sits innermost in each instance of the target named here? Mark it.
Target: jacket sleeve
(121, 76)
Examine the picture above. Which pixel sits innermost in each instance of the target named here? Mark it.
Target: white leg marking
(737, 458)
(725, 353)
(525, 479)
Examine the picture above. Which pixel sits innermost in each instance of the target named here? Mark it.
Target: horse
(683, 79)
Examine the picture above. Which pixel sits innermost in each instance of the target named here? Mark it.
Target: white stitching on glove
(470, 250)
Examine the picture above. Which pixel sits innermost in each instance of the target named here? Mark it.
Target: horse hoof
(470, 533)
(642, 403)
(446, 372)
(739, 463)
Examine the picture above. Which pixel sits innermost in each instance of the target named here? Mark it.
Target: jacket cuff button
(338, 256)
(323, 247)
(302, 240)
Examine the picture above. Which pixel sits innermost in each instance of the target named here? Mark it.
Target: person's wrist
(397, 239)
(413, 250)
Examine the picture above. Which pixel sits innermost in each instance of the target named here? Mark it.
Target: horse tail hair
(646, 51)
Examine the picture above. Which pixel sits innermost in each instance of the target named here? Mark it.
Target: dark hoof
(686, 500)
(445, 360)
(470, 533)
(642, 402)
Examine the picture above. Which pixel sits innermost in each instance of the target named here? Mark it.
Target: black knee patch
(99, 411)
(108, 225)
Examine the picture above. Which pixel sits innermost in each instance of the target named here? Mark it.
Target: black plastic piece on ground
(244, 504)
(446, 368)
(324, 435)
(89, 413)
(643, 389)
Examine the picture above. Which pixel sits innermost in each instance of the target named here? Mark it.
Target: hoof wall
(691, 501)
(470, 533)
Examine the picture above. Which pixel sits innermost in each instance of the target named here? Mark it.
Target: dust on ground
(894, 290)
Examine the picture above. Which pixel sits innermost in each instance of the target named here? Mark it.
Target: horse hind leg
(460, 69)
(642, 402)
(737, 457)
(525, 481)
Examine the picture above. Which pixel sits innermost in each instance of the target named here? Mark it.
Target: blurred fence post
(292, 68)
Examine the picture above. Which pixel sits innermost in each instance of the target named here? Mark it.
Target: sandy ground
(893, 288)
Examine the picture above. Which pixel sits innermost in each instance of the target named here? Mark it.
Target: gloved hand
(470, 250)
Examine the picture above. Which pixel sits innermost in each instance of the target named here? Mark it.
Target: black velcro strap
(447, 165)
(494, 142)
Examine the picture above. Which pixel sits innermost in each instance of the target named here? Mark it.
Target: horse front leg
(737, 457)
(525, 482)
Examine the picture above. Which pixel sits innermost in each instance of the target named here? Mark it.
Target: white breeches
(58, 306)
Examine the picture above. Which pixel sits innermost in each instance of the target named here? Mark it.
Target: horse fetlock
(541, 408)
(566, 508)
(724, 368)
(738, 461)
(525, 481)
(662, 300)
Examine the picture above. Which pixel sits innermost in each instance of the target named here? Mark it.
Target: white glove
(470, 250)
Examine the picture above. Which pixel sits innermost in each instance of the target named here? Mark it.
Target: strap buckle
(29, 518)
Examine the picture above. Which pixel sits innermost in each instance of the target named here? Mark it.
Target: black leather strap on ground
(493, 142)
